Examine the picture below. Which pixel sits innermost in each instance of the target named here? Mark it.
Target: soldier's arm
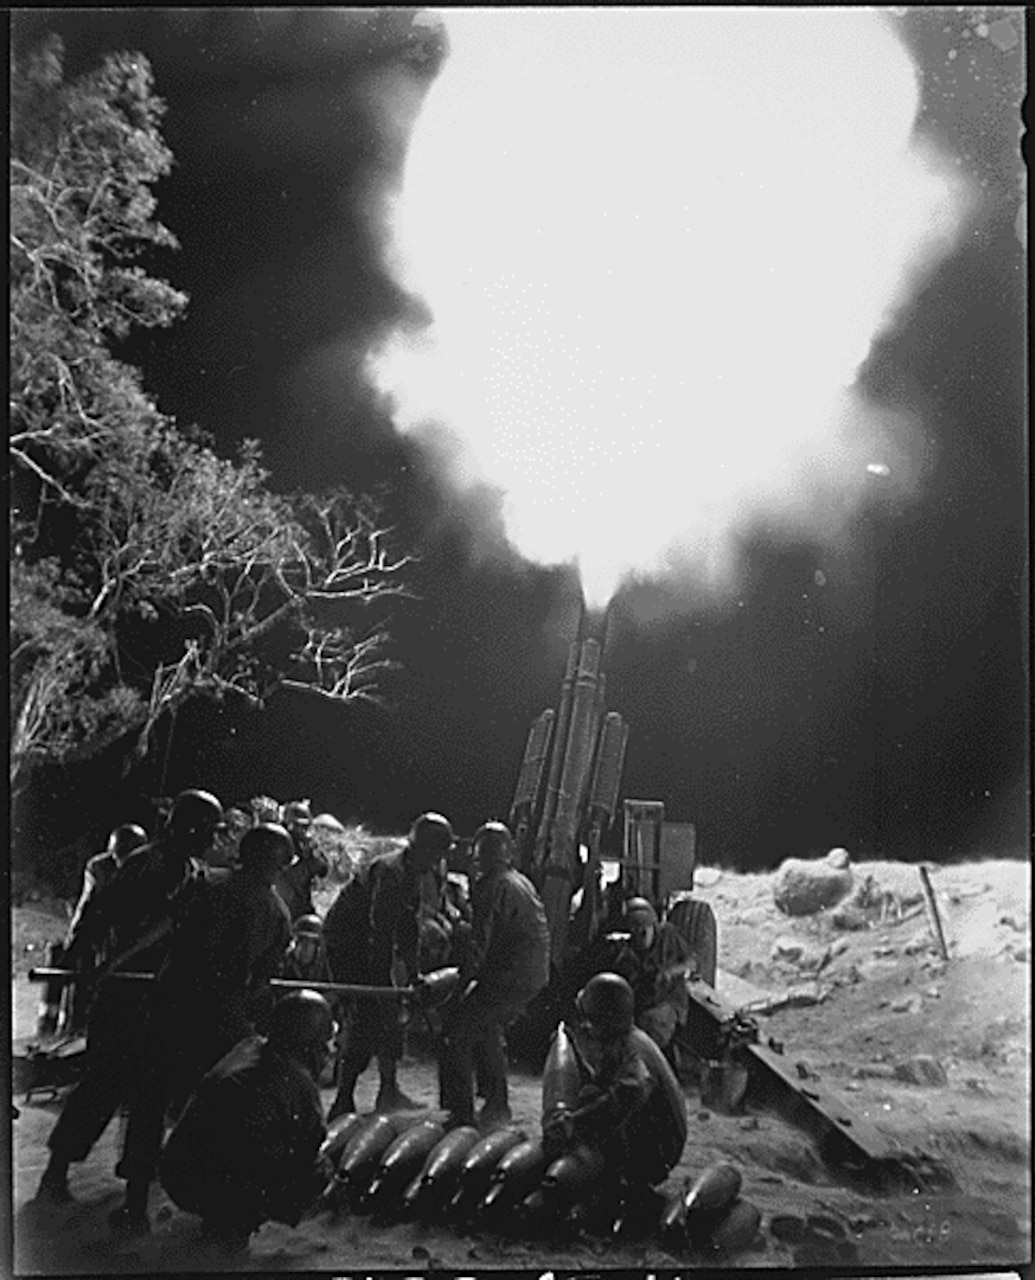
(87, 935)
(486, 918)
(602, 1107)
(86, 894)
(161, 930)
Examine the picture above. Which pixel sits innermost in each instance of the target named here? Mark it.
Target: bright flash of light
(657, 246)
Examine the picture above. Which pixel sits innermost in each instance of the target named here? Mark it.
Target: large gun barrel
(579, 750)
(557, 758)
(526, 795)
(560, 838)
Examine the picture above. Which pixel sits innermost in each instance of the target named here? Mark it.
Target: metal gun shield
(478, 1167)
(441, 1173)
(738, 1228)
(402, 1161)
(562, 1077)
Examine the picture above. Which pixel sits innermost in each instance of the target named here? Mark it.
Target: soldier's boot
(390, 1097)
(53, 1185)
(344, 1103)
(130, 1218)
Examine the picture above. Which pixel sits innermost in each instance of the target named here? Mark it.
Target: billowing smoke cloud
(657, 246)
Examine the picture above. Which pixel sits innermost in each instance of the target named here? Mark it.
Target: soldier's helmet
(297, 813)
(302, 1022)
(125, 838)
(640, 908)
(493, 843)
(195, 813)
(308, 927)
(432, 835)
(267, 847)
(606, 1003)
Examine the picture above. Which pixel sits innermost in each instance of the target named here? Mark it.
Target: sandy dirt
(881, 997)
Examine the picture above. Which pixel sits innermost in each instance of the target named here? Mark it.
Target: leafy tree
(145, 569)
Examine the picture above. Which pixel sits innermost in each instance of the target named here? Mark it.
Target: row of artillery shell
(391, 1166)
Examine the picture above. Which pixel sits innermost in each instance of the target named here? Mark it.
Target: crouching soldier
(655, 962)
(246, 1148)
(630, 1108)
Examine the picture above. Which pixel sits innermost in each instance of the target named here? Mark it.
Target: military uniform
(657, 977)
(146, 892)
(245, 1149)
(633, 1109)
(295, 883)
(210, 993)
(98, 873)
(508, 964)
(373, 920)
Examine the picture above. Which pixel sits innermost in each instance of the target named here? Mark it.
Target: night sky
(872, 697)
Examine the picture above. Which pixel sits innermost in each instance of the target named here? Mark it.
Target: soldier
(507, 964)
(631, 1108)
(211, 992)
(131, 923)
(655, 962)
(370, 927)
(307, 957)
(295, 882)
(100, 870)
(66, 1006)
(245, 1150)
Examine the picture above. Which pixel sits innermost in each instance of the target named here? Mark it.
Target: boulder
(788, 949)
(922, 1070)
(803, 888)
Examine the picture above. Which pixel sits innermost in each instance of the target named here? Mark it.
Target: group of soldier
(215, 1070)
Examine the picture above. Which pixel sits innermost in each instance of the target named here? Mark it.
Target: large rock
(923, 1070)
(803, 888)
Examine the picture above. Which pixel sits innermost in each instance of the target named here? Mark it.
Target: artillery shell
(638, 1214)
(515, 1175)
(715, 1189)
(479, 1166)
(441, 1173)
(536, 1213)
(363, 1153)
(569, 1177)
(340, 1132)
(672, 1228)
(562, 1078)
(737, 1229)
(402, 1161)
(440, 984)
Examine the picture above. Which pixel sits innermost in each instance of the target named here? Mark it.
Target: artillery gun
(565, 803)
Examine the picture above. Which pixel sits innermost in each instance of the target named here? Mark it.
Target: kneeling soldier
(246, 1149)
(631, 1108)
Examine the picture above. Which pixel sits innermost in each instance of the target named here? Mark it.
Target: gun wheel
(695, 921)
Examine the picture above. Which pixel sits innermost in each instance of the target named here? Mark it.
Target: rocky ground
(935, 1054)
